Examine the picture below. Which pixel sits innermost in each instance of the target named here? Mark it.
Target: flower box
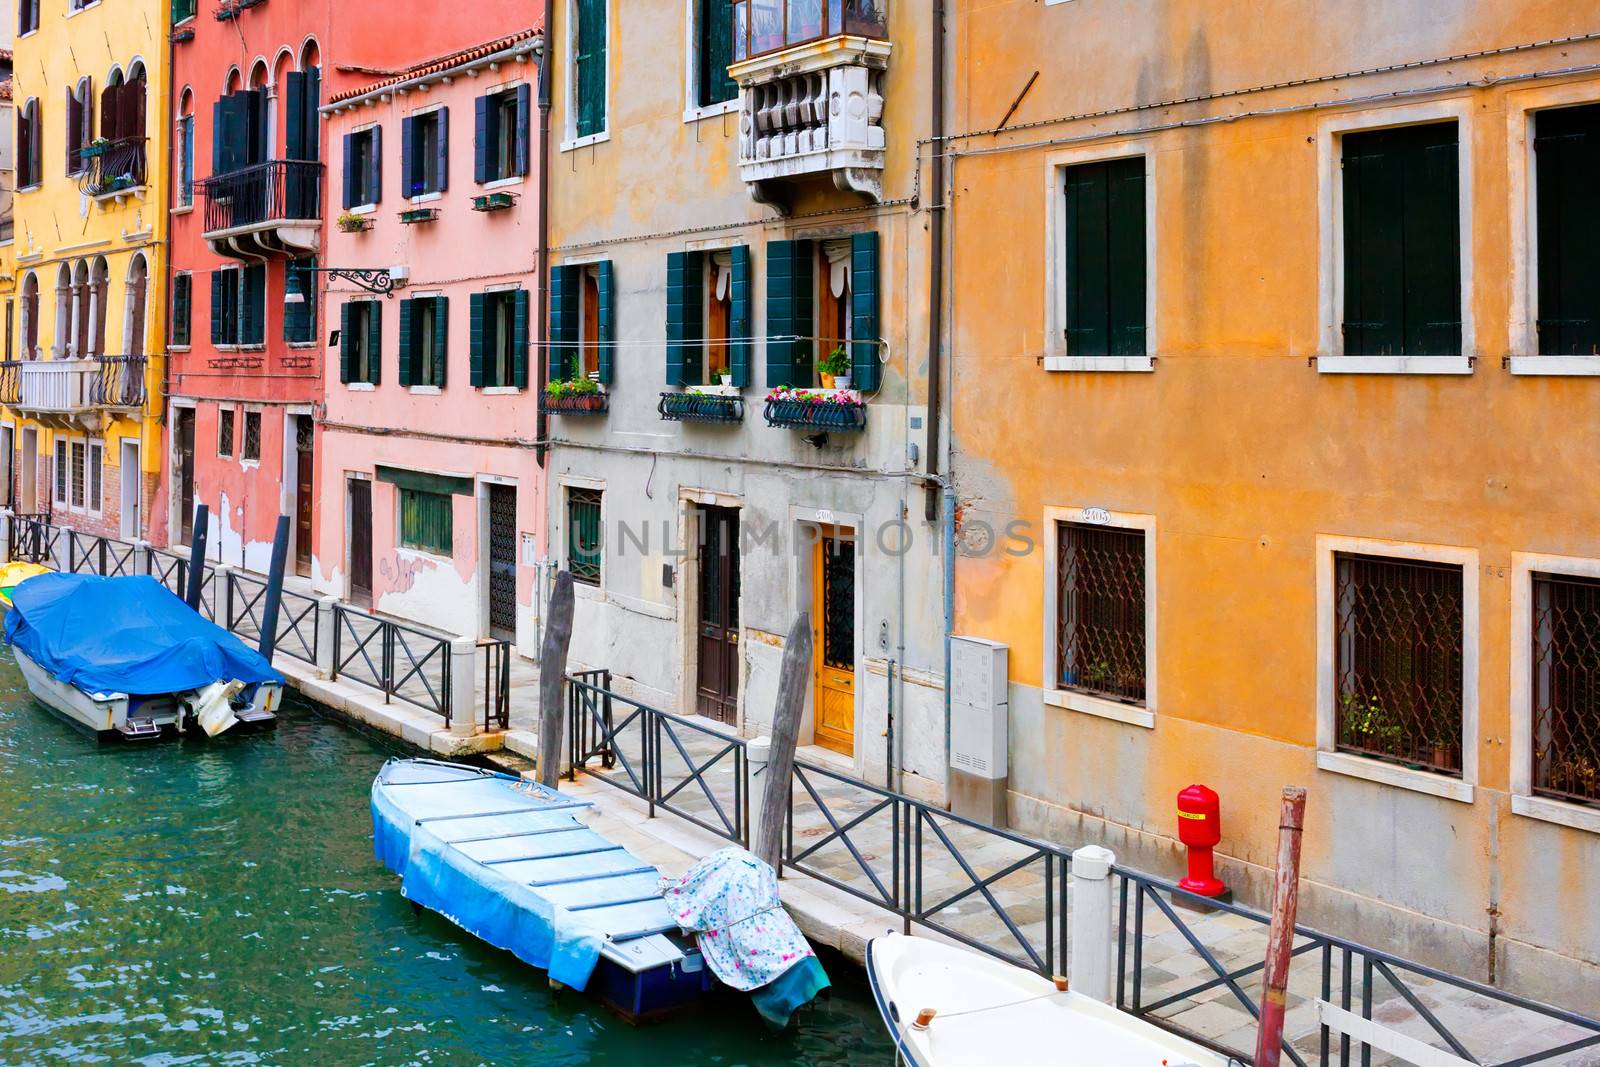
(94, 148)
(493, 201)
(811, 409)
(353, 223)
(412, 216)
(185, 34)
(596, 403)
(701, 407)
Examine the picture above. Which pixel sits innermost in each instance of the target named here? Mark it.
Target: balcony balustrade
(116, 169)
(66, 392)
(271, 208)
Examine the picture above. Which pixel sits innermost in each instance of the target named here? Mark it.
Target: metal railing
(281, 189)
(245, 600)
(401, 661)
(496, 683)
(1351, 978)
(68, 385)
(116, 167)
(119, 382)
(11, 381)
(32, 538)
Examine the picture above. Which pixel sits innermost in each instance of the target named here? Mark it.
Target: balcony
(115, 169)
(272, 208)
(73, 393)
(810, 76)
(698, 406)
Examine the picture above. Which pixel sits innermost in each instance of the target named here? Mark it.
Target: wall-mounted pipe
(935, 267)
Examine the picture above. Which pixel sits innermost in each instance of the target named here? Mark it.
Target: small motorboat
(14, 574)
(124, 657)
(946, 1006)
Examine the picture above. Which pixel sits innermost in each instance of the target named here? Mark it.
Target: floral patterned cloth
(730, 901)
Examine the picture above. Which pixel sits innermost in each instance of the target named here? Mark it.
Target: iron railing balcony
(115, 168)
(75, 391)
(11, 382)
(272, 208)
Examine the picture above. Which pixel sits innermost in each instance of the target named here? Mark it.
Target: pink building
(430, 493)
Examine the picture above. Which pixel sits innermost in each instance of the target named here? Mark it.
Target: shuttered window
(865, 349)
(583, 317)
(500, 135)
(424, 152)
(182, 9)
(363, 167)
(225, 306)
(27, 16)
(1566, 160)
(253, 305)
(186, 160)
(300, 320)
(1402, 242)
(360, 341)
(425, 521)
(424, 322)
(585, 539)
(499, 339)
(685, 328)
(1105, 258)
(589, 108)
(302, 91)
(791, 300)
(715, 39)
(182, 301)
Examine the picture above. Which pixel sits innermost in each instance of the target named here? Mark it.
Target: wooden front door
(304, 466)
(186, 475)
(717, 689)
(361, 543)
(503, 562)
(834, 615)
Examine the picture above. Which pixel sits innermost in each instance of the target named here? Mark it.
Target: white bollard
(756, 753)
(325, 625)
(5, 534)
(140, 563)
(1089, 933)
(466, 703)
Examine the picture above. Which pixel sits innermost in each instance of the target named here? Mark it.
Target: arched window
(134, 317)
(302, 95)
(29, 136)
(30, 316)
(185, 147)
(80, 125)
(122, 123)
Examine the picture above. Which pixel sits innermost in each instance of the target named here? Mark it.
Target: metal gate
(503, 561)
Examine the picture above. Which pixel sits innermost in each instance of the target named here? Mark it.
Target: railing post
(326, 621)
(757, 751)
(221, 606)
(461, 713)
(7, 531)
(1089, 940)
(139, 558)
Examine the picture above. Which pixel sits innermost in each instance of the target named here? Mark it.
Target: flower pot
(827, 379)
(725, 380)
(841, 381)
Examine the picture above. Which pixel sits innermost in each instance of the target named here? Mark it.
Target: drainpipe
(949, 616)
(935, 265)
(541, 330)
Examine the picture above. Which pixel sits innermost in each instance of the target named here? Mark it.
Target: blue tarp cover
(125, 635)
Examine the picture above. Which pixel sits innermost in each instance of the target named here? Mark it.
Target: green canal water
(218, 903)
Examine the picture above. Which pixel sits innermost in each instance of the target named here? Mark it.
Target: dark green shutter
(519, 338)
(345, 340)
(1105, 258)
(410, 172)
(590, 64)
(252, 312)
(375, 166)
(253, 117)
(442, 148)
(310, 118)
(441, 334)
(294, 106)
(483, 117)
(791, 300)
(425, 520)
(475, 367)
(864, 289)
(606, 321)
(1567, 149)
(180, 308)
(521, 139)
(716, 52)
(218, 282)
(685, 328)
(563, 360)
(408, 346)
(374, 342)
(348, 172)
(740, 317)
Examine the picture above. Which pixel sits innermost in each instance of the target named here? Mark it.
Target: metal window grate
(252, 436)
(1398, 672)
(1100, 638)
(585, 543)
(225, 433)
(1566, 687)
(839, 602)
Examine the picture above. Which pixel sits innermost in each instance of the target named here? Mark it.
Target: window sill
(1105, 709)
(35, 187)
(1555, 366)
(711, 111)
(425, 390)
(423, 553)
(722, 390)
(1400, 777)
(302, 344)
(1544, 809)
(589, 590)
(1394, 364)
(186, 209)
(179, 348)
(586, 141)
(499, 390)
(427, 198)
(360, 387)
(1135, 364)
(504, 183)
(364, 209)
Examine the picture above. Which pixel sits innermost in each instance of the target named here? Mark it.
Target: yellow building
(1274, 324)
(80, 398)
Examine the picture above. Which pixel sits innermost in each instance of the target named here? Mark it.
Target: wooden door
(834, 612)
(186, 475)
(304, 436)
(29, 503)
(503, 562)
(717, 688)
(361, 543)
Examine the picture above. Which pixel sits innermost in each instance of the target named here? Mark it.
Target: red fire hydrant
(1200, 828)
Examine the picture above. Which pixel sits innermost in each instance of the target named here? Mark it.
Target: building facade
(1283, 301)
(734, 370)
(82, 397)
(431, 495)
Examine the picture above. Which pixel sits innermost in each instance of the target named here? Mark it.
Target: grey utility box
(979, 724)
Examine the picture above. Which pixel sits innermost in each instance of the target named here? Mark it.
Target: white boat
(950, 1007)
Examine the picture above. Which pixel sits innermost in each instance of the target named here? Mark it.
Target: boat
(125, 658)
(514, 864)
(14, 574)
(945, 1006)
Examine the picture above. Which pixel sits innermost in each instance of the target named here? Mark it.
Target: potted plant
(835, 369)
(578, 393)
(725, 379)
(95, 147)
(350, 222)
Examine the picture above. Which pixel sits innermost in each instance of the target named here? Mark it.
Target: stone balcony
(267, 209)
(69, 393)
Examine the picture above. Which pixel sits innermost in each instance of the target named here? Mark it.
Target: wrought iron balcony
(597, 403)
(809, 409)
(115, 168)
(701, 407)
(75, 391)
(11, 382)
(272, 208)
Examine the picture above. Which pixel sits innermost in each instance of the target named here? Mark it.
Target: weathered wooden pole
(197, 557)
(552, 675)
(1280, 936)
(792, 684)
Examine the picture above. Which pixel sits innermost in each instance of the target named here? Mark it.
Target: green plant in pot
(1368, 724)
(835, 369)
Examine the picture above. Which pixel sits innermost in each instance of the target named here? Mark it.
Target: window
(85, 471)
(1100, 604)
(239, 131)
(30, 161)
(708, 317)
(11, 328)
(425, 521)
(500, 135)
(1398, 669)
(225, 433)
(424, 151)
(182, 9)
(363, 167)
(27, 16)
(1104, 258)
(251, 450)
(61, 471)
(768, 25)
(360, 341)
(821, 295)
(186, 158)
(300, 320)
(588, 102)
(80, 125)
(1565, 635)
(182, 299)
(714, 50)
(1402, 241)
(1567, 148)
(30, 316)
(97, 454)
(239, 305)
(424, 323)
(585, 537)
(499, 349)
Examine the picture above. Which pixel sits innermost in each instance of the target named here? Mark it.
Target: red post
(1280, 937)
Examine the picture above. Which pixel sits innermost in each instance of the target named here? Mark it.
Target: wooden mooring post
(793, 676)
(1280, 936)
(196, 577)
(552, 674)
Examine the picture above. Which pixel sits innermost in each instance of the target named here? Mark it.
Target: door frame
(687, 578)
(175, 476)
(480, 496)
(803, 579)
(129, 487)
(29, 453)
(348, 593)
(289, 476)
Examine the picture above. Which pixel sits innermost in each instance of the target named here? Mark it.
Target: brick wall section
(108, 522)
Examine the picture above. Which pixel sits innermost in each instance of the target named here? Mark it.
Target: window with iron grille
(1398, 660)
(585, 538)
(61, 472)
(251, 450)
(79, 462)
(97, 454)
(1100, 631)
(1566, 687)
(225, 433)
(426, 521)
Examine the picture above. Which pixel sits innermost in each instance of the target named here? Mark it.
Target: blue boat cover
(125, 635)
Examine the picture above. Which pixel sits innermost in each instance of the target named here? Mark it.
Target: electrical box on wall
(979, 728)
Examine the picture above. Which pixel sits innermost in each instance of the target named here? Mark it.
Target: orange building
(1284, 356)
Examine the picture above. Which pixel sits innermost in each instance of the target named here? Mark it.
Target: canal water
(218, 903)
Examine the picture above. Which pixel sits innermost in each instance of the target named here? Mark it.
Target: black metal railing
(403, 662)
(32, 538)
(118, 382)
(244, 603)
(11, 381)
(115, 166)
(1351, 979)
(700, 407)
(816, 414)
(496, 683)
(266, 192)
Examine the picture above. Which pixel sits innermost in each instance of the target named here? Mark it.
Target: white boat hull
(989, 1012)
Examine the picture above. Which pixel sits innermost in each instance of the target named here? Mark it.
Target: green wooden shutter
(1567, 147)
(410, 172)
(864, 289)
(716, 52)
(408, 343)
(252, 312)
(590, 64)
(310, 117)
(685, 328)
(344, 341)
(519, 338)
(483, 138)
(442, 148)
(375, 166)
(791, 299)
(477, 346)
(1087, 270)
(348, 172)
(1125, 257)
(181, 286)
(606, 320)
(294, 106)
(441, 334)
(563, 361)
(741, 320)
(1433, 246)
(218, 281)
(374, 342)
(520, 142)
